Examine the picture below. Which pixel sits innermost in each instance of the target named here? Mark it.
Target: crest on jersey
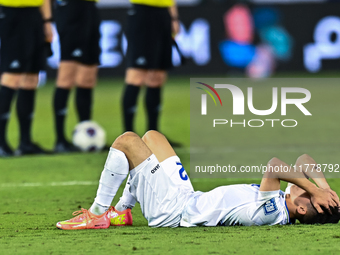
(270, 207)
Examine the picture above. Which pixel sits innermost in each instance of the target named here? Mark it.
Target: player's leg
(161, 148)
(65, 16)
(9, 85)
(35, 60)
(127, 152)
(139, 59)
(14, 57)
(71, 28)
(155, 79)
(134, 80)
(161, 61)
(86, 77)
(86, 80)
(65, 81)
(171, 163)
(163, 186)
(154, 82)
(25, 113)
(126, 201)
(159, 145)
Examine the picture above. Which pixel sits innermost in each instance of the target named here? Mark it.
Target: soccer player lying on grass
(160, 184)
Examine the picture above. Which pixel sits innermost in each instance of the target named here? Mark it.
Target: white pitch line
(50, 184)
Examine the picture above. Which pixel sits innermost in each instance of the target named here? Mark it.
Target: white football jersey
(232, 205)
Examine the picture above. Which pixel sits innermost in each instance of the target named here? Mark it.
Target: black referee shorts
(149, 38)
(78, 28)
(22, 40)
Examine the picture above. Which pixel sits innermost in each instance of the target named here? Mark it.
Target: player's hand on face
(334, 196)
(323, 199)
(48, 32)
(175, 28)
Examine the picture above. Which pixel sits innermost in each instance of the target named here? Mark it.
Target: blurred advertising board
(222, 37)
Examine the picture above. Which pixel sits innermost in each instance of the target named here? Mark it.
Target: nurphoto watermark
(237, 125)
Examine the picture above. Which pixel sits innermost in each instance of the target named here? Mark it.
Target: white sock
(98, 209)
(115, 171)
(126, 201)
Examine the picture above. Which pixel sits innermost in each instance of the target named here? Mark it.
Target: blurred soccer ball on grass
(89, 136)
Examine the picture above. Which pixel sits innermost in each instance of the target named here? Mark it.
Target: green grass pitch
(35, 193)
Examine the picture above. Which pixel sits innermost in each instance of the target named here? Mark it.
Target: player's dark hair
(313, 217)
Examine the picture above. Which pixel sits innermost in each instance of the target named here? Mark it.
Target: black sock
(25, 107)
(6, 97)
(129, 105)
(84, 103)
(60, 111)
(153, 106)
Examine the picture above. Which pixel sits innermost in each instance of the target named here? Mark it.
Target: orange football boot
(86, 220)
(123, 218)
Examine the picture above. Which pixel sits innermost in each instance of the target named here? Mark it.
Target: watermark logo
(204, 97)
(239, 98)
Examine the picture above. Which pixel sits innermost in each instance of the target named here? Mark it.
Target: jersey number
(182, 173)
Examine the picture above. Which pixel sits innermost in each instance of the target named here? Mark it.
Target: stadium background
(298, 41)
(36, 192)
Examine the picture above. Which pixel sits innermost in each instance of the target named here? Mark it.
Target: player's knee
(125, 140)
(151, 136)
(86, 83)
(66, 78)
(30, 81)
(11, 80)
(274, 162)
(303, 158)
(65, 81)
(12, 84)
(154, 85)
(135, 77)
(29, 86)
(155, 79)
(84, 80)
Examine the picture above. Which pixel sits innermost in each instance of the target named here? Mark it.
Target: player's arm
(46, 13)
(278, 170)
(308, 166)
(174, 18)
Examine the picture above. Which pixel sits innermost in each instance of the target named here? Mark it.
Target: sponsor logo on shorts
(77, 53)
(15, 64)
(141, 61)
(155, 169)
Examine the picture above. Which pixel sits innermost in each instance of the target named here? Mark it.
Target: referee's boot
(30, 149)
(65, 147)
(5, 151)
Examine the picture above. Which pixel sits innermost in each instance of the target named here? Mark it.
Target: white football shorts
(162, 189)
